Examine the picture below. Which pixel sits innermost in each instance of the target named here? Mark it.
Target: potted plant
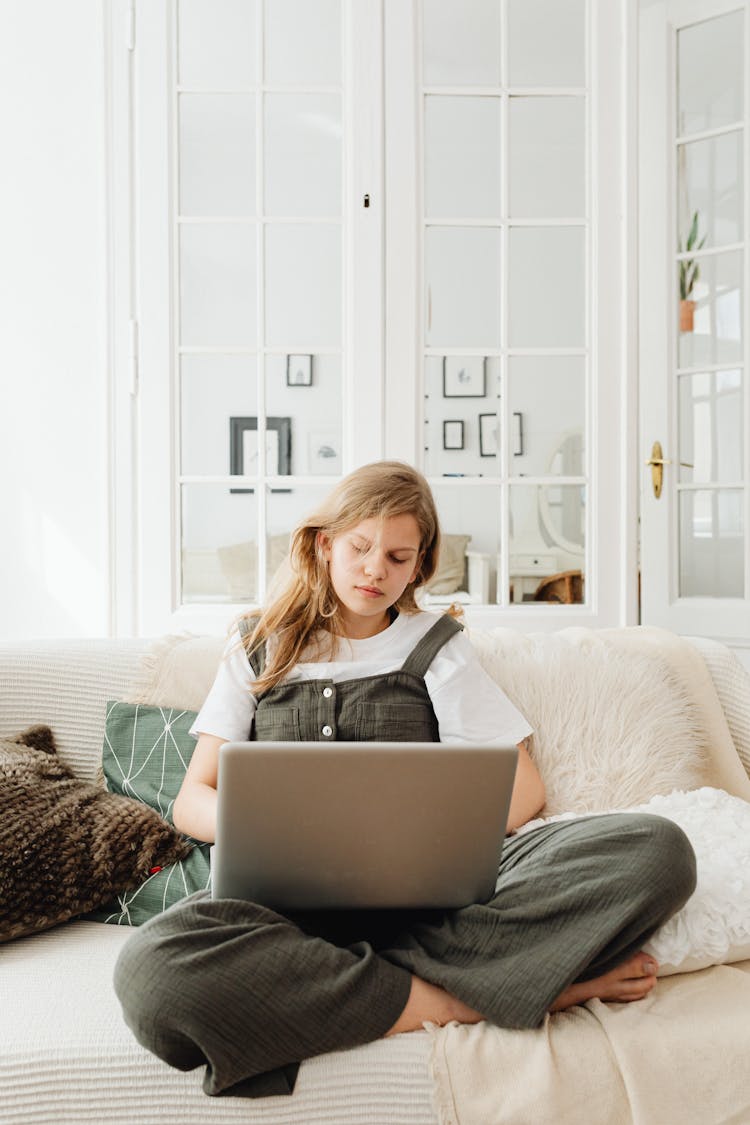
(689, 273)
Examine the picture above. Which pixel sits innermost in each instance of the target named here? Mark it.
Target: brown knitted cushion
(66, 845)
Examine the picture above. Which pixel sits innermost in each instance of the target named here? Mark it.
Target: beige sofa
(65, 1054)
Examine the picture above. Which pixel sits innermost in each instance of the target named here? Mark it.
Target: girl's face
(370, 566)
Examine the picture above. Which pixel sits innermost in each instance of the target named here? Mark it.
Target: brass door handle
(657, 462)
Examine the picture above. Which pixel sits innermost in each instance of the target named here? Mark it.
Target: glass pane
(709, 74)
(306, 389)
(462, 277)
(546, 287)
(303, 285)
(469, 522)
(302, 154)
(547, 404)
(547, 42)
(712, 560)
(710, 310)
(285, 511)
(215, 522)
(216, 43)
(461, 42)
(303, 42)
(217, 284)
(547, 158)
(462, 157)
(710, 191)
(547, 537)
(214, 389)
(217, 154)
(711, 427)
(462, 431)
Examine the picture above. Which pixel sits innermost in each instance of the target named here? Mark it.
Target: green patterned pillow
(145, 755)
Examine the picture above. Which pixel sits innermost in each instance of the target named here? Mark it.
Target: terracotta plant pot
(687, 313)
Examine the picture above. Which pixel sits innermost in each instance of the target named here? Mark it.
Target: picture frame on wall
(464, 376)
(324, 447)
(244, 452)
(299, 371)
(489, 445)
(453, 433)
(517, 433)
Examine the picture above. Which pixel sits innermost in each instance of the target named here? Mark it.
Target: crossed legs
(249, 993)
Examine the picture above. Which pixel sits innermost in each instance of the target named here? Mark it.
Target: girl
(343, 651)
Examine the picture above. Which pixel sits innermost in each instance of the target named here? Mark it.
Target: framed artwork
(453, 434)
(244, 452)
(517, 433)
(464, 376)
(488, 443)
(299, 371)
(324, 448)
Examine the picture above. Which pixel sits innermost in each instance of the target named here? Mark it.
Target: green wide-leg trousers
(250, 993)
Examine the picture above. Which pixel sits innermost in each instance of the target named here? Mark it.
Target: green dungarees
(249, 993)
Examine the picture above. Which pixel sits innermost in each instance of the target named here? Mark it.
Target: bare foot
(427, 1002)
(632, 980)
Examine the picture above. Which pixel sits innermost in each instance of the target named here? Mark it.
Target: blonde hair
(306, 605)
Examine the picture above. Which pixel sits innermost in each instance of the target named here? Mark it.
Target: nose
(375, 564)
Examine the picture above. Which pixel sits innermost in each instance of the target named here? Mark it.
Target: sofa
(602, 703)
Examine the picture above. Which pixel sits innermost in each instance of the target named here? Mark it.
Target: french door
(350, 229)
(694, 316)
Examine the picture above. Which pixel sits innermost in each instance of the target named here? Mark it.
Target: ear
(323, 545)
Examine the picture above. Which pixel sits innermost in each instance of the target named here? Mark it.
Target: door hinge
(130, 27)
(133, 356)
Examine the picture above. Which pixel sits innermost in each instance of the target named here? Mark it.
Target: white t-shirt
(468, 704)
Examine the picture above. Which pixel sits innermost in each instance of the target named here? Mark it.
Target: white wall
(53, 388)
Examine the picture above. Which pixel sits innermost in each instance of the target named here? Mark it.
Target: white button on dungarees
(327, 731)
(327, 692)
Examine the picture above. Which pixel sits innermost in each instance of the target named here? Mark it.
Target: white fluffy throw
(611, 727)
(713, 927)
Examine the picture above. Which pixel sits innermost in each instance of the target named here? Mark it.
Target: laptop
(350, 825)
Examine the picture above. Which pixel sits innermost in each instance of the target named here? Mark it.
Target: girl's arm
(528, 790)
(194, 810)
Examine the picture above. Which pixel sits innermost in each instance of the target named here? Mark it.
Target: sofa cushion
(67, 845)
(713, 927)
(146, 753)
(451, 568)
(239, 562)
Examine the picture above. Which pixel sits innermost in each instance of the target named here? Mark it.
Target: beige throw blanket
(680, 1055)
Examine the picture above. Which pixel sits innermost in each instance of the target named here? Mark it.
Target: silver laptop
(345, 825)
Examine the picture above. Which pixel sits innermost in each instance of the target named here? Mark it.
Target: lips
(369, 591)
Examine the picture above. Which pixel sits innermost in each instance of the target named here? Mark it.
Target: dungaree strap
(423, 653)
(256, 658)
